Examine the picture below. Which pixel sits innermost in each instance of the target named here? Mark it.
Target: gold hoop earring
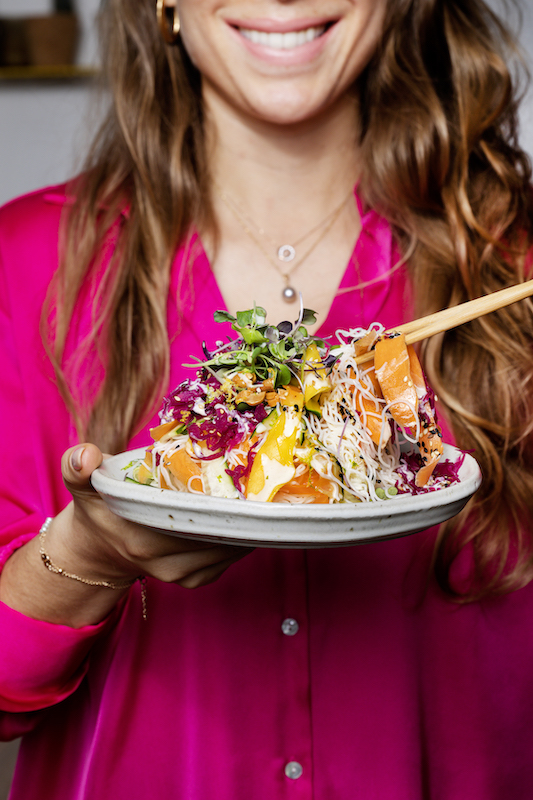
(168, 25)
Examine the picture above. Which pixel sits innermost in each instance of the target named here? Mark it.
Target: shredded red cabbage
(202, 407)
(449, 469)
(239, 473)
(445, 471)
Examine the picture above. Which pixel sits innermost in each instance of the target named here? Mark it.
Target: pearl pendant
(289, 294)
(286, 252)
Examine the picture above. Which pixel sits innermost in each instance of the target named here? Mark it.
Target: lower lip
(298, 55)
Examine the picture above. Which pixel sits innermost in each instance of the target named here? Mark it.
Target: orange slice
(183, 467)
(158, 432)
(143, 473)
(309, 484)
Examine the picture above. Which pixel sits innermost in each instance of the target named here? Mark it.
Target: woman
(297, 673)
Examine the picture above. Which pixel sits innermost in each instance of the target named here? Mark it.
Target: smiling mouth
(283, 41)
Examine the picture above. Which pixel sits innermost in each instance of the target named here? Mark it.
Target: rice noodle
(342, 432)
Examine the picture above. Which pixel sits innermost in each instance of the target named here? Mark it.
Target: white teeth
(283, 41)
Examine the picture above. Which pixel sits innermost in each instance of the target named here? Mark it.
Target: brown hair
(148, 158)
(440, 160)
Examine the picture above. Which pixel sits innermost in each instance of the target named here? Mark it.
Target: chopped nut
(252, 397)
(243, 379)
(273, 398)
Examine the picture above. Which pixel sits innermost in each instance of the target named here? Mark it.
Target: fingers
(207, 575)
(107, 542)
(181, 567)
(78, 463)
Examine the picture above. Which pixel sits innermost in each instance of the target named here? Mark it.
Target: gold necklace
(289, 293)
(287, 252)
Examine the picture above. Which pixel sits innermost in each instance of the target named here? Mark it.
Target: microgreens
(265, 350)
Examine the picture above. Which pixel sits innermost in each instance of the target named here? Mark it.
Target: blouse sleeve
(40, 663)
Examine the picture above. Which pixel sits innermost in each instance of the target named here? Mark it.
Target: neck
(289, 182)
(284, 174)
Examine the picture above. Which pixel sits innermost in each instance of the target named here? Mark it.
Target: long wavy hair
(441, 162)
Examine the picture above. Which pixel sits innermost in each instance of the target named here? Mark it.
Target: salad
(279, 415)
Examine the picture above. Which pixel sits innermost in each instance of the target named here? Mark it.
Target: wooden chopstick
(442, 321)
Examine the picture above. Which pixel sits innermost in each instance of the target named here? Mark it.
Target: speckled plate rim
(280, 525)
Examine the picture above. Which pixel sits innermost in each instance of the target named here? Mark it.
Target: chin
(286, 110)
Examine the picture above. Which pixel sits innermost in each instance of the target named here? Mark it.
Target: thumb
(78, 463)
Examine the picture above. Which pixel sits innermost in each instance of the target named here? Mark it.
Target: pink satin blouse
(299, 675)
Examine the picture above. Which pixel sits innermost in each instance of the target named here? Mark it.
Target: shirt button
(294, 770)
(290, 628)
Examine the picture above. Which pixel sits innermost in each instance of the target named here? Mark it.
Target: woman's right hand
(88, 540)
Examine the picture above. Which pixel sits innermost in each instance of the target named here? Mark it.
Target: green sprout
(265, 350)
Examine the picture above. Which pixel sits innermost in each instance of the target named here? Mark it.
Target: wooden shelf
(52, 73)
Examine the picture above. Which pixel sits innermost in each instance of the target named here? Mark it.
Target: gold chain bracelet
(49, 564)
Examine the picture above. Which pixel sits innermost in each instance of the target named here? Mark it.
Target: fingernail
(76, 457)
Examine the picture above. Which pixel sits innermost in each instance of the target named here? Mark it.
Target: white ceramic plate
(280, 525)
